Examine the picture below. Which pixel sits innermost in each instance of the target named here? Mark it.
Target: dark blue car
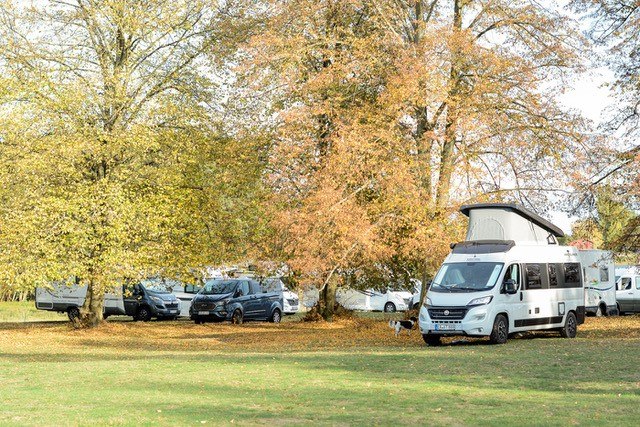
(236, 300)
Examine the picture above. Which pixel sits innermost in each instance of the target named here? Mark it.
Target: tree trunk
(451, 126)
(328, 297)
(93, 307)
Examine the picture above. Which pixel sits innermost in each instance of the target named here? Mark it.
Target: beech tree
(392, 113)
(116, 160)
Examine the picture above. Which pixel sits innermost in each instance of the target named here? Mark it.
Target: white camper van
(510, 275)
(371, 300)
(628, 288)
(68, 299)
(599, 282)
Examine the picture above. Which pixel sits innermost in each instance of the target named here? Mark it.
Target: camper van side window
(637, 282)
(572, 275)
(553, 276)
(604, 274)
(534, 276)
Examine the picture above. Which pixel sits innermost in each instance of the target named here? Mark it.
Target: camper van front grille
(447, 313)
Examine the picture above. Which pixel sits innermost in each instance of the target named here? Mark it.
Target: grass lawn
(349, 372)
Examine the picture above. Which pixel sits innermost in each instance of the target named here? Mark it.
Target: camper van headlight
(157, 300)
(427, 302)
(480, 301)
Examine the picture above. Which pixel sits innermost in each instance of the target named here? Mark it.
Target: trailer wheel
(73, 313)
(570, 328)
(500, 331)
(389, 307)
(432, 340)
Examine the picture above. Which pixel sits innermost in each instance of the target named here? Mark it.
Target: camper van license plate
(173, 311)
(203, 313)
(444, 327)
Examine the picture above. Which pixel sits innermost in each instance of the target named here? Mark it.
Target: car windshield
(466, 277)
(214, 287)
(156, 285)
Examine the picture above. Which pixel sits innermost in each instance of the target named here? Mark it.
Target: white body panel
(60, 297)
(599, 281)
(372, 300)
(628, 288)
(528, 309)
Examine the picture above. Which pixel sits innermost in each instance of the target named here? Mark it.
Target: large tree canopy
(116, 159)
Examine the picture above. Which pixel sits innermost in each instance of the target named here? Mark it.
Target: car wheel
(570, 328)
(620, 312)
(73, 313)
(432, 340)
(236, 318)
(198, 321)
(389, 307)
(500, 331)
(144, 314)
(276, 317)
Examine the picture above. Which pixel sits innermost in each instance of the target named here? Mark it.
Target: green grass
(26, 312)
(353, 372)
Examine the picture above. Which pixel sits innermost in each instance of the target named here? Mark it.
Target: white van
(628, 288)
(388, 301)
(599, 282)
(510, 275)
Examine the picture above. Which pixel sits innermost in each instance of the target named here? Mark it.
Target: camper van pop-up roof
(508, 222)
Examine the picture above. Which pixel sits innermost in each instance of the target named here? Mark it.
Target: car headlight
(157, 300)
(480, 301)
(221, 303)
(427, 302)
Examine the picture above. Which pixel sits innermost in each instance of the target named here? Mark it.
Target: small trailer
(599, 282)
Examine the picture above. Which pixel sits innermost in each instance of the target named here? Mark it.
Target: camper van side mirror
(510, 286)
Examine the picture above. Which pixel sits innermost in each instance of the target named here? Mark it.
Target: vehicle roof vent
(503, 221)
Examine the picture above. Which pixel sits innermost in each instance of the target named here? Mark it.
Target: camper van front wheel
(500, 331)
(389, 307)
(432, 340)
(570, 328)
(144, 314)
(73, 313)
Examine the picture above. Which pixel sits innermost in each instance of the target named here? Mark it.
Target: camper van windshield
(466, 277)
(156, 285)
(213, 287)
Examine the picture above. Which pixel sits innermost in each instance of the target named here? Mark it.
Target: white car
(372, 300)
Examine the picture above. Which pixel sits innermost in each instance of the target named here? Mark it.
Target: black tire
(432, 340)
(236, 317)
(620, 312)
(198, 321)
(144, 314)
(500, 331)
(276, 317)
(389, 307)
(73, 313)
(570, 328)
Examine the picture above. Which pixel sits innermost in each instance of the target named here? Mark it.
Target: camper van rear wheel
(500, 331)
(144, 314)
(432, 340)
(570, 328)
(389, 307)
(73, 313)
